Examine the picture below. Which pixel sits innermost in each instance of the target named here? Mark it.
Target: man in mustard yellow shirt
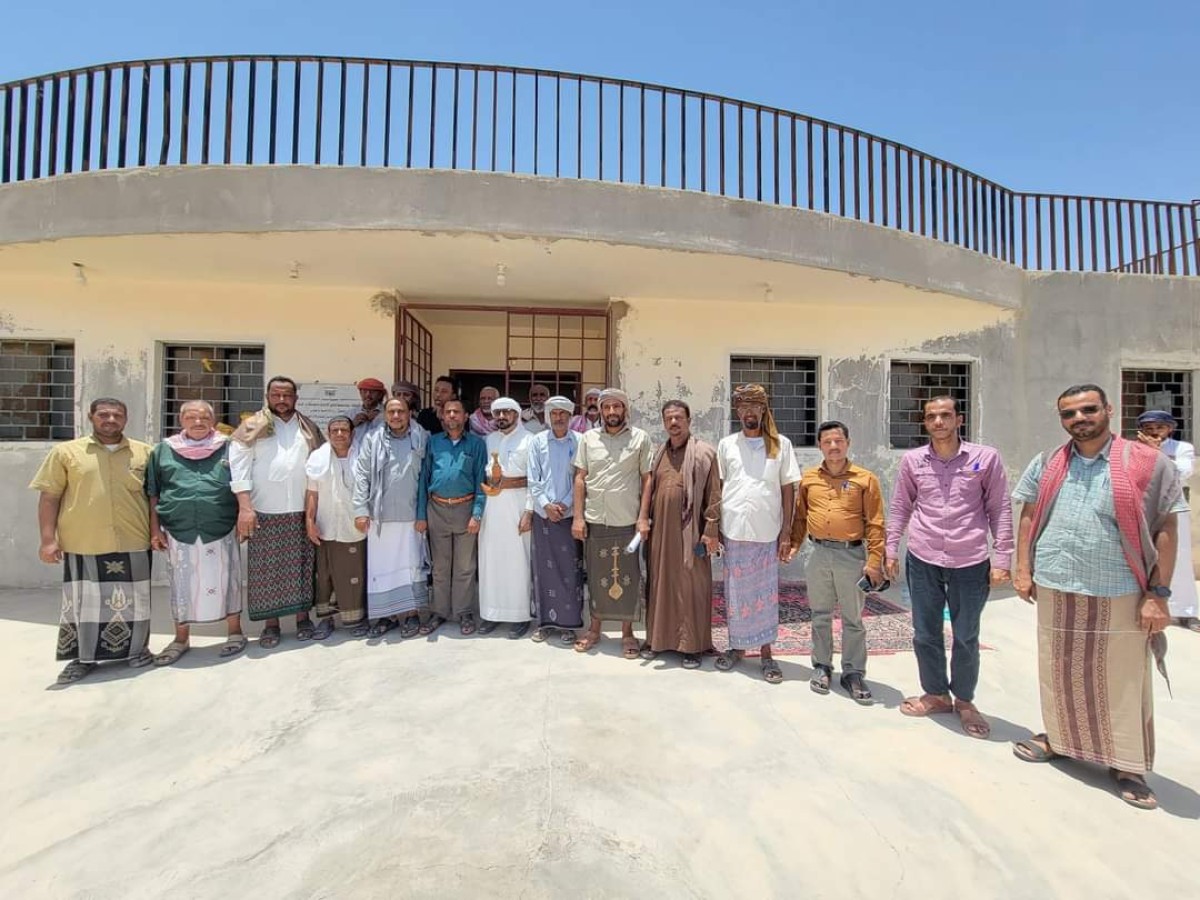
(94, 518)
(839, 507)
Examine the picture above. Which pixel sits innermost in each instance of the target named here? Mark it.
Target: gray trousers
(832, 574)
(455, 558)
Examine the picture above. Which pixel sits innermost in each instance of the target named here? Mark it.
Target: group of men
(410, 518)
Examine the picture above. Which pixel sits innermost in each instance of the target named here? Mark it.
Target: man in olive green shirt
(612, 514)
(94, 519)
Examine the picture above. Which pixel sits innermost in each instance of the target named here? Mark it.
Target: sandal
(853, 684)
(305, 630)
(434, 623)
(411, 627)
(539, 635)
(383, 626)
(270, 637)
(973, 724)
(171, 653)
(631, 647)
(589, 640)
(1035, 749)
(362, 629)
(518, 630)
(233, 645)
(772, 674)
(927, 705)
(324, 629)
(1134, 790)
(648, 653)
(467, 625)
(568, 636)
(730, 658)
(144, 658)
(74, 671)
(1191, 623)
(821, 676)
(691, 660)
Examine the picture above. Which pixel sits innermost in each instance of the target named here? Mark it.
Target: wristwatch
(1161, 591)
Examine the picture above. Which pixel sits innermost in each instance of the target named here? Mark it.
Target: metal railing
(304, 110)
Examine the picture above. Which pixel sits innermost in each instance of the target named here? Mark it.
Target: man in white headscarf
(507, 520)
(556, 555)
(589, 416)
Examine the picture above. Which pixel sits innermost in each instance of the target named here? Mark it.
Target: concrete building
(177, 266)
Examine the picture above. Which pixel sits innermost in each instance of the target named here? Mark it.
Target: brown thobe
(679, 594)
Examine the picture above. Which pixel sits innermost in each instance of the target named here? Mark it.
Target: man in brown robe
(685, 511)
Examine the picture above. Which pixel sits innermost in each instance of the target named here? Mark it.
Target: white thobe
(272, 469)
(1183, 580)
(504, 576)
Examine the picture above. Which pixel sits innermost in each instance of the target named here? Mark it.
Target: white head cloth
(617, 394)
(561, 403)
(505, 403)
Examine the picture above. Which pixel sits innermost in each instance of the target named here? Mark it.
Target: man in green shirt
(193, 518)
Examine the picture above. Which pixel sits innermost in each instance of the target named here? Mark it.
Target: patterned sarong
(614, 576)
(279, 567)
(557, 575)
(397, 569)
(1094, 672)
(105, 606)
(752, 593)
(206, 579)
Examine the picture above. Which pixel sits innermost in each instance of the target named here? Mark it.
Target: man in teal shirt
(450, 508)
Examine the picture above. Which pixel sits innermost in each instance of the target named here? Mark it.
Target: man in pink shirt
(949, 495)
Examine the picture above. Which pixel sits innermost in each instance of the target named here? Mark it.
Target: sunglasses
(1090, 410)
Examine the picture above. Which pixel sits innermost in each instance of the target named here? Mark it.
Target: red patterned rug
(889, 627)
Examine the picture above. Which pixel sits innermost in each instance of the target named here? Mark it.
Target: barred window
(228, 377)
(912, 383)
(37, 390)
(1170, 390)
(791, 383)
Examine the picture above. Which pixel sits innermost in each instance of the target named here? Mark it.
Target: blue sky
(1075, 96)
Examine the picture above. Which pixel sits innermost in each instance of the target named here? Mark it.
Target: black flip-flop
(270, 637)
(819, 683)
(691, 661)
(305, 630)
(362, 629)
(729, 659)
(1028, 751)
(324, 629)
(854, 685)
(1142, 797)
(431, 626)
(411, 627)
(772, 674)
(383, 626)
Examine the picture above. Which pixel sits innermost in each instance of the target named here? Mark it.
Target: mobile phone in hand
(864, 585)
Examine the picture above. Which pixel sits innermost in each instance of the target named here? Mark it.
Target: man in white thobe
(504, 533)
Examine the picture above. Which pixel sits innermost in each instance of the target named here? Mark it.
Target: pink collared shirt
(950, 505)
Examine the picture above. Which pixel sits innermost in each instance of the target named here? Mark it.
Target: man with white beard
(535, 417)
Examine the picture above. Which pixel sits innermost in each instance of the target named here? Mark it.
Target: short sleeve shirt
(613, 465)
(751, 496)
(103, 505)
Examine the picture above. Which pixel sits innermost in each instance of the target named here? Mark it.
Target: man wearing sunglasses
(1095, 551)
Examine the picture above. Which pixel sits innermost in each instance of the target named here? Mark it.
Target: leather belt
(515, 482)
(845, 545)
(452, 501)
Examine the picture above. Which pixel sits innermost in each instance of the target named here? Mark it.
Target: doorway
(509, 348)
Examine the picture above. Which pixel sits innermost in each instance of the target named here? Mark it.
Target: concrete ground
(477, 767)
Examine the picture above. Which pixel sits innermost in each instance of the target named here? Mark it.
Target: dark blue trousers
(965, 591)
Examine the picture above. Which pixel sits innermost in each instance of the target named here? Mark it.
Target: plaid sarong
(105, 606)
(280, 561)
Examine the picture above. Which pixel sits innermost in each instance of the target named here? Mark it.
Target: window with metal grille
(914, 382)
(37, 390)
(791, 383)
(228, 377)
(1143, 389)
